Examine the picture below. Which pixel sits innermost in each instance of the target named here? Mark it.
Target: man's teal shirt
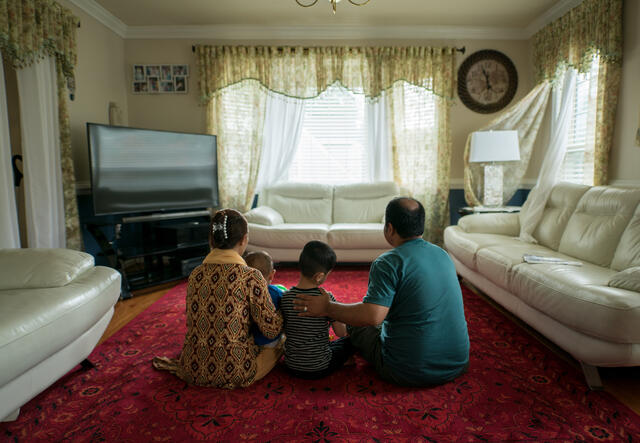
(424, 336)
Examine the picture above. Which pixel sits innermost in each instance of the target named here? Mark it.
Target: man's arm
(354, 314)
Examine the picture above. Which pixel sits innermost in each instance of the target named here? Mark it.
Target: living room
(115, 39)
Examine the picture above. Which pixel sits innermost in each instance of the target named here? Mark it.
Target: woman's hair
(227, 228)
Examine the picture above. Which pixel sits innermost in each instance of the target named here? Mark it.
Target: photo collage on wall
(160, 79)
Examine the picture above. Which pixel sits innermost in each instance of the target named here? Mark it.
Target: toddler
(262, 261)
(308, 353)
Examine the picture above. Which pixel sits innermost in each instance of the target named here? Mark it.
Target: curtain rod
(460, 50)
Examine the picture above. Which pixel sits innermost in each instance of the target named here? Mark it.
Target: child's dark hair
(227, 228)
(406, 215)
(261, 261)
(315, 257)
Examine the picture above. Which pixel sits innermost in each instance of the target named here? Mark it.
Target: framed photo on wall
(181, 83)
(160, 79)
(138, 73)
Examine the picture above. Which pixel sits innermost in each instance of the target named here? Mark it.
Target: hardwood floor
(622, 383)
(127, 310)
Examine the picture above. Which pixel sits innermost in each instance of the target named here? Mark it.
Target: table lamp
(493, 147)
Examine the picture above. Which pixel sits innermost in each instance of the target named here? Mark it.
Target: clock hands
(486, 78)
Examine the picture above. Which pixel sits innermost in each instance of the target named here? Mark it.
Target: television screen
(142, 170)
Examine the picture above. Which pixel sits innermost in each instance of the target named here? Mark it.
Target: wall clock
(487, 81)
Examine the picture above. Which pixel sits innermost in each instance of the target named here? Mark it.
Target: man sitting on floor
(410, 325)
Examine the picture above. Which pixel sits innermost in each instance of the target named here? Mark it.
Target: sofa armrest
(264, 215)
(41, 268)
(500, 223)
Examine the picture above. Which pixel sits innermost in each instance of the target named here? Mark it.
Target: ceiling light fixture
(333, 3)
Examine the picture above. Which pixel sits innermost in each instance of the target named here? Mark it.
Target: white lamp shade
(494, 146)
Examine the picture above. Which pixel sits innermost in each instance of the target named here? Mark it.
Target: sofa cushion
(357, 236)
(578, 297)
(300, 202)
(628, 250)
(264, 215)
(561, 204)
(503, 224)
(37, 323)
(41, 268)
(362, 202)
(287, 235)
(496, 262)
(464, 246)
(628, 279)
(594, 229)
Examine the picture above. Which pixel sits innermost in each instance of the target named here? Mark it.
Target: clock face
(487, 81)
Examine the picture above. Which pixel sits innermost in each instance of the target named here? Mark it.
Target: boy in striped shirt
(308, 352)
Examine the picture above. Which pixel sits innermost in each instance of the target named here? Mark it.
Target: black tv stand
(149, 250)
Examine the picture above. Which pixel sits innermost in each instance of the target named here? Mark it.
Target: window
(332, 147)
(578, 162)
(333, 144)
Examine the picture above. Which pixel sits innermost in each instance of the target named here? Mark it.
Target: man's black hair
(315, 257)
(406, 215)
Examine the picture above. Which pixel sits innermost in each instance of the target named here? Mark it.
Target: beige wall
(107, 60)
(172, 111)
(180, 112)
(624, 168)
(100, 79)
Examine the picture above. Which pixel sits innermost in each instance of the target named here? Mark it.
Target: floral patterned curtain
(307, 72)
(30, 29)
(236, 115)
(593, 27)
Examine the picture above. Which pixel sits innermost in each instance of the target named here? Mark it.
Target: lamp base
(493, 175)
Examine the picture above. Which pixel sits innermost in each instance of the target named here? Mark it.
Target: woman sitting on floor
(224, 298)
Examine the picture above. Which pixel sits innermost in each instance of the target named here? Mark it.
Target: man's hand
(312, 305)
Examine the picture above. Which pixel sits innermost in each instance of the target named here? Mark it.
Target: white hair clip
(221, 227)
(224, 227)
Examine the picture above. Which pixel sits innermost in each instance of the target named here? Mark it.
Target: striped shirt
(307, 345)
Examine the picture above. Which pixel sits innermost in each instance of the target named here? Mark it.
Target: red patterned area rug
(515, 390)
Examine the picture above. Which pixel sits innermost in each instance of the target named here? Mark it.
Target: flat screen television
(142, 170)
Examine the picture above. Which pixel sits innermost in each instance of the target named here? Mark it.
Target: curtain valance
(593, 27)
(307, 72)
(31, 29)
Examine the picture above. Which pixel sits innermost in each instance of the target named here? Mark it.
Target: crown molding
(341, 32)
(105, 17)
(311, 32)
(555, 12)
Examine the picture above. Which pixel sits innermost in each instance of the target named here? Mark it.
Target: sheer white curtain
(280, 138)
(9, 234)
(561, 102)
(44, 207)
(378, 139)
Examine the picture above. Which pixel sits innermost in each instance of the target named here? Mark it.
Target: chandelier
(333, 3)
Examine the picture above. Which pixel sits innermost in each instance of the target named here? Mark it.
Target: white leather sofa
(54, 307)
(591, 311)
(348, 217)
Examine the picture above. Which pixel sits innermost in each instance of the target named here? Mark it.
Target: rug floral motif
(515, 390)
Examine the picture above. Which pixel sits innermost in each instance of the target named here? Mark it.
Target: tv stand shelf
(156, 251)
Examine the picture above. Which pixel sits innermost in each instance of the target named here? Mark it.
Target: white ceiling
(378, 18)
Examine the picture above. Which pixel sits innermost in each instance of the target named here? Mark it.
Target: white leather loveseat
(54, 306)
(348, 217)
(591, 311)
